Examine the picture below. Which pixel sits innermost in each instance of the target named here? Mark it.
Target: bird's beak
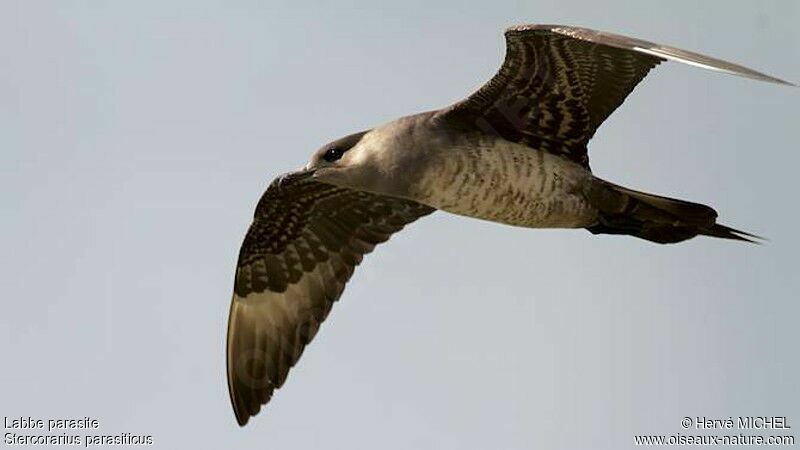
(316, 172)
(301, 174)
(319, 172)
(330, 175)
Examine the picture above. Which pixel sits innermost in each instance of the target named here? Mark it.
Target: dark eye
(333, 154)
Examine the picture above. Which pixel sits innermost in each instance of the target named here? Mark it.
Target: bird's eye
(333, 154)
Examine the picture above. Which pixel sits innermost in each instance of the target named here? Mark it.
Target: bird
(513, 152)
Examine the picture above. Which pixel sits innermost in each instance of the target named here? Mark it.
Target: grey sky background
(136, 138)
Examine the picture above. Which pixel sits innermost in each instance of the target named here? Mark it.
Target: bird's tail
(654, 218)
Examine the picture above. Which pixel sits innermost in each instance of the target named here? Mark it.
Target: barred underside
(504, 182)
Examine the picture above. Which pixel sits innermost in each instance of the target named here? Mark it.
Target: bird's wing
(304, 242)
(559, 83)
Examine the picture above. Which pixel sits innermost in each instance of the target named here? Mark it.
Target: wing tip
(719, 230)
(769, 79)
(240, 405)
(783, 82)
(650, 48)
(241, 419)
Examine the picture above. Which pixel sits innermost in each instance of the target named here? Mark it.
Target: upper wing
(558, 84)
(304, 242)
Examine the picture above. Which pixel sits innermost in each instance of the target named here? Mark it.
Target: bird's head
(348, 162)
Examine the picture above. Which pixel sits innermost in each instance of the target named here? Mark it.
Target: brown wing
(304, 242)
(558, 84)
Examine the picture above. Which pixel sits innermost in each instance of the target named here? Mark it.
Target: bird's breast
(508, 183)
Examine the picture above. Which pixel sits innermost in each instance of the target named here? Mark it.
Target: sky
(136, 138)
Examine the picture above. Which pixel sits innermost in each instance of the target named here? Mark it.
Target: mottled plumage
(557, 85)
(514, 152)
(305, 240)
(506, 182)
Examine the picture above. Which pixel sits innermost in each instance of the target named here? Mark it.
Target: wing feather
(301, 249)
(558, 84)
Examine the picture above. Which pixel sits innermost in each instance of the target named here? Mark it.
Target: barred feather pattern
(553, 91)
(301, 249)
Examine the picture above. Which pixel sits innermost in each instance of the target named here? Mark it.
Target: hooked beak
(314, 172)
(301, 174)
(320, 172)
(330, 175)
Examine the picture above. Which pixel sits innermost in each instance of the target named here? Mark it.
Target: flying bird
(513, 152)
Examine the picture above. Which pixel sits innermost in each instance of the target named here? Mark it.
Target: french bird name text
(33, 423)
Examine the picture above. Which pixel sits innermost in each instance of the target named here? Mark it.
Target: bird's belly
(511, 184)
